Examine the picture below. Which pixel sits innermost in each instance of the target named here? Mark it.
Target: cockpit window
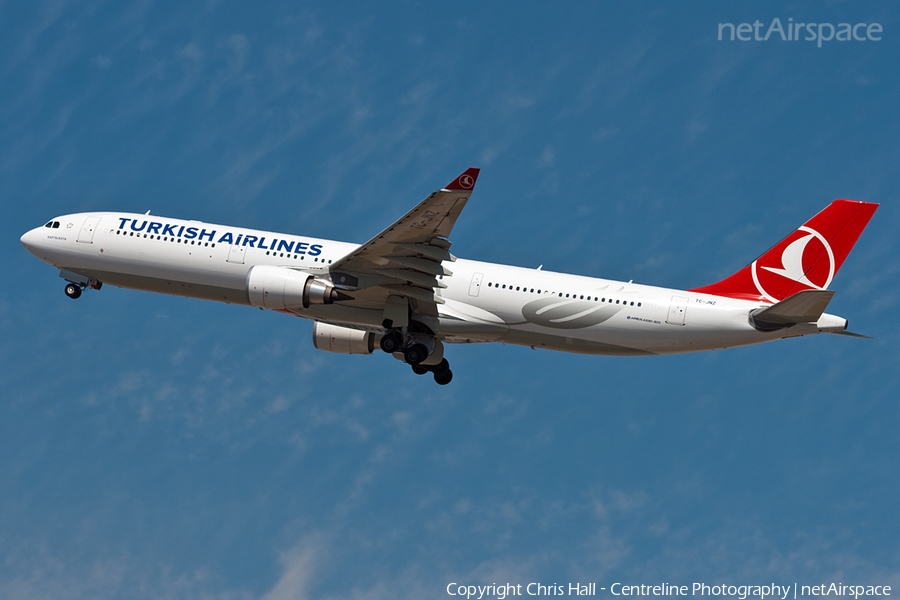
(49, 224)
(55, 224)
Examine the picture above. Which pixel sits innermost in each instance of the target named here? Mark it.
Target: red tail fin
(807, 259)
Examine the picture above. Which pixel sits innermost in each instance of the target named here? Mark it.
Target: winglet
(466, 181)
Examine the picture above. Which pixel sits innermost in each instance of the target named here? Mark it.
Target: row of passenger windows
(164, 238)
(281, 255)
(195, 242)
(519, 288)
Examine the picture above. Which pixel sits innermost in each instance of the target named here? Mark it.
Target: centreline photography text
(741, 592)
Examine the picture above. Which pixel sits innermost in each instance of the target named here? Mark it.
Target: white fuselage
(482, 301)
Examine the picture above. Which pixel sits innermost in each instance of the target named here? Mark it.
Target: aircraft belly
(645, 333)
(458, 322)
(188, 287)
(193, 273)
(569, 343)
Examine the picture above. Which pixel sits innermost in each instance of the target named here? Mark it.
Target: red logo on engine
(802, 261)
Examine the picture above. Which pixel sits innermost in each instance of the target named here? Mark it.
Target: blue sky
(158, 447)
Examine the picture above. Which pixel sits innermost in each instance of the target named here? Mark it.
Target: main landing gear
(442, 372)
(414, 353)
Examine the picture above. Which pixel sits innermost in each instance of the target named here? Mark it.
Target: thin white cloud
(300, 565)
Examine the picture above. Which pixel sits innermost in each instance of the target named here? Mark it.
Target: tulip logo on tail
(806, 262)
(466, 181)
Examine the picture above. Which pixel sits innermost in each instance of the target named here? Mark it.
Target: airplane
(405, 293)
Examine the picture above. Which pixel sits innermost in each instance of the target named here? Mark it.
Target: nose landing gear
(76, 283)
(73, 291)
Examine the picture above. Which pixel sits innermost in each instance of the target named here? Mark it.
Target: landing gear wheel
(419, 369)
(443, 378)
(441, 368)
(391, 342)
(73, 291)
(415, 354)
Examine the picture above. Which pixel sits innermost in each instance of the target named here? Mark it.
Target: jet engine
(281, 288)
(343, 340)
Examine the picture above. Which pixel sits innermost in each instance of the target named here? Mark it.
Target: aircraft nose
(30, 240)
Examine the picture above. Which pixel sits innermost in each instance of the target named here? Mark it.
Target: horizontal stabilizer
(806, 306)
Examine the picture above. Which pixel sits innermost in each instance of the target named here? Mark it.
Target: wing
(406, 258)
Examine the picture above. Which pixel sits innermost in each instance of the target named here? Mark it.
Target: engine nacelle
(281, 288)
(343, 340)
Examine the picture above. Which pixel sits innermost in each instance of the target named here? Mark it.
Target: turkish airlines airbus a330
(404, 291)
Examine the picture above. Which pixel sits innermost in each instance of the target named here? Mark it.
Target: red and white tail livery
(405, 293)
(807, 259)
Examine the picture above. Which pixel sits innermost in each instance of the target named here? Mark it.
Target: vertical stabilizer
(807, 259)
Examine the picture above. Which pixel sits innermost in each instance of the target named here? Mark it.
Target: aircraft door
(236, 254)
(86, 235)
(677, 308)
(475, 286)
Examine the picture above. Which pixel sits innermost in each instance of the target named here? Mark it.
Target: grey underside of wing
(406, 259)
